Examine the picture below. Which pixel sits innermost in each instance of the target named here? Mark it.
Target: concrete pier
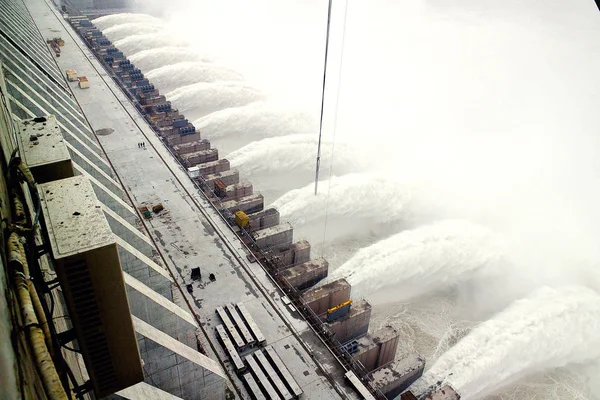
(191, 147)
(175, 138)
(296, 253)
(275, 237)
(354, 324)
(399, 375)
(238, 190)
(230, 177)
(248, 204)
(446, 392)
(199, 157)
(323, 298)
(378, 349)
(212, 167)
(306, 274)
(263, 219)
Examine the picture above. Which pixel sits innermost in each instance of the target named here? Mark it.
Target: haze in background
(459, 173)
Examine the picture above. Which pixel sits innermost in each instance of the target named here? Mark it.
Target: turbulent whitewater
(148, 60)
(422, 260)
(549, 329)
(170, 77)
(459, 176)
(204, 98)
(291, 161)
(123, 31)
(353, 205)
(148, 41)
(233, 128)
(109, 21)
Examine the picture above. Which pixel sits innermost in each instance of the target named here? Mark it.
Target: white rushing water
(548, 329)
(217, 96)
(149, 60)
(422, 260)
(124, 31)
(459, 184)
(173, 76)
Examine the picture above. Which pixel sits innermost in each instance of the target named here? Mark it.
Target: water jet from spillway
(148, 60)
(148, 41)
(173, 76)
(355, 204)
(291, 161)
(108, 21)
(233, 128)
(118, 32)
(203, 98)
(551, 328)
(422, 260)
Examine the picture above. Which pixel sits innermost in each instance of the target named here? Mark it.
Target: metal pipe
(37, 339)
(19, 210)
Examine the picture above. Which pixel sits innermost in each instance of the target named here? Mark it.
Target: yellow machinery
(334, 309)
(338, 311)
(241, 219)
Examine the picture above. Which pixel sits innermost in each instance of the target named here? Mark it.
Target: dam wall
(327, 309)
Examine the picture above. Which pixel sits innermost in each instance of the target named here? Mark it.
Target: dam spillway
(265, 238)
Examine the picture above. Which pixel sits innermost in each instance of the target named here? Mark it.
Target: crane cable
(335, 121)
(323, 97)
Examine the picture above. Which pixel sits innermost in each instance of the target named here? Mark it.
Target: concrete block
(208, 168)
(354, 324)
(306, 274)
(330, 295)
(378, 349)
(191, 147)
(248, 204)
(399, 375)
(238, 190)
(199, 157)
(275, 237)
(446, 392)
(296, 253)
(264, 219)
(175, 138)
(230, 177)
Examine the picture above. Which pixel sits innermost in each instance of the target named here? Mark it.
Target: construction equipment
(158, 208)
(241, 219)
(220, 188)
(350, 347)
(338, 311)
(145, 212)
(196, 275)
(55, 44)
